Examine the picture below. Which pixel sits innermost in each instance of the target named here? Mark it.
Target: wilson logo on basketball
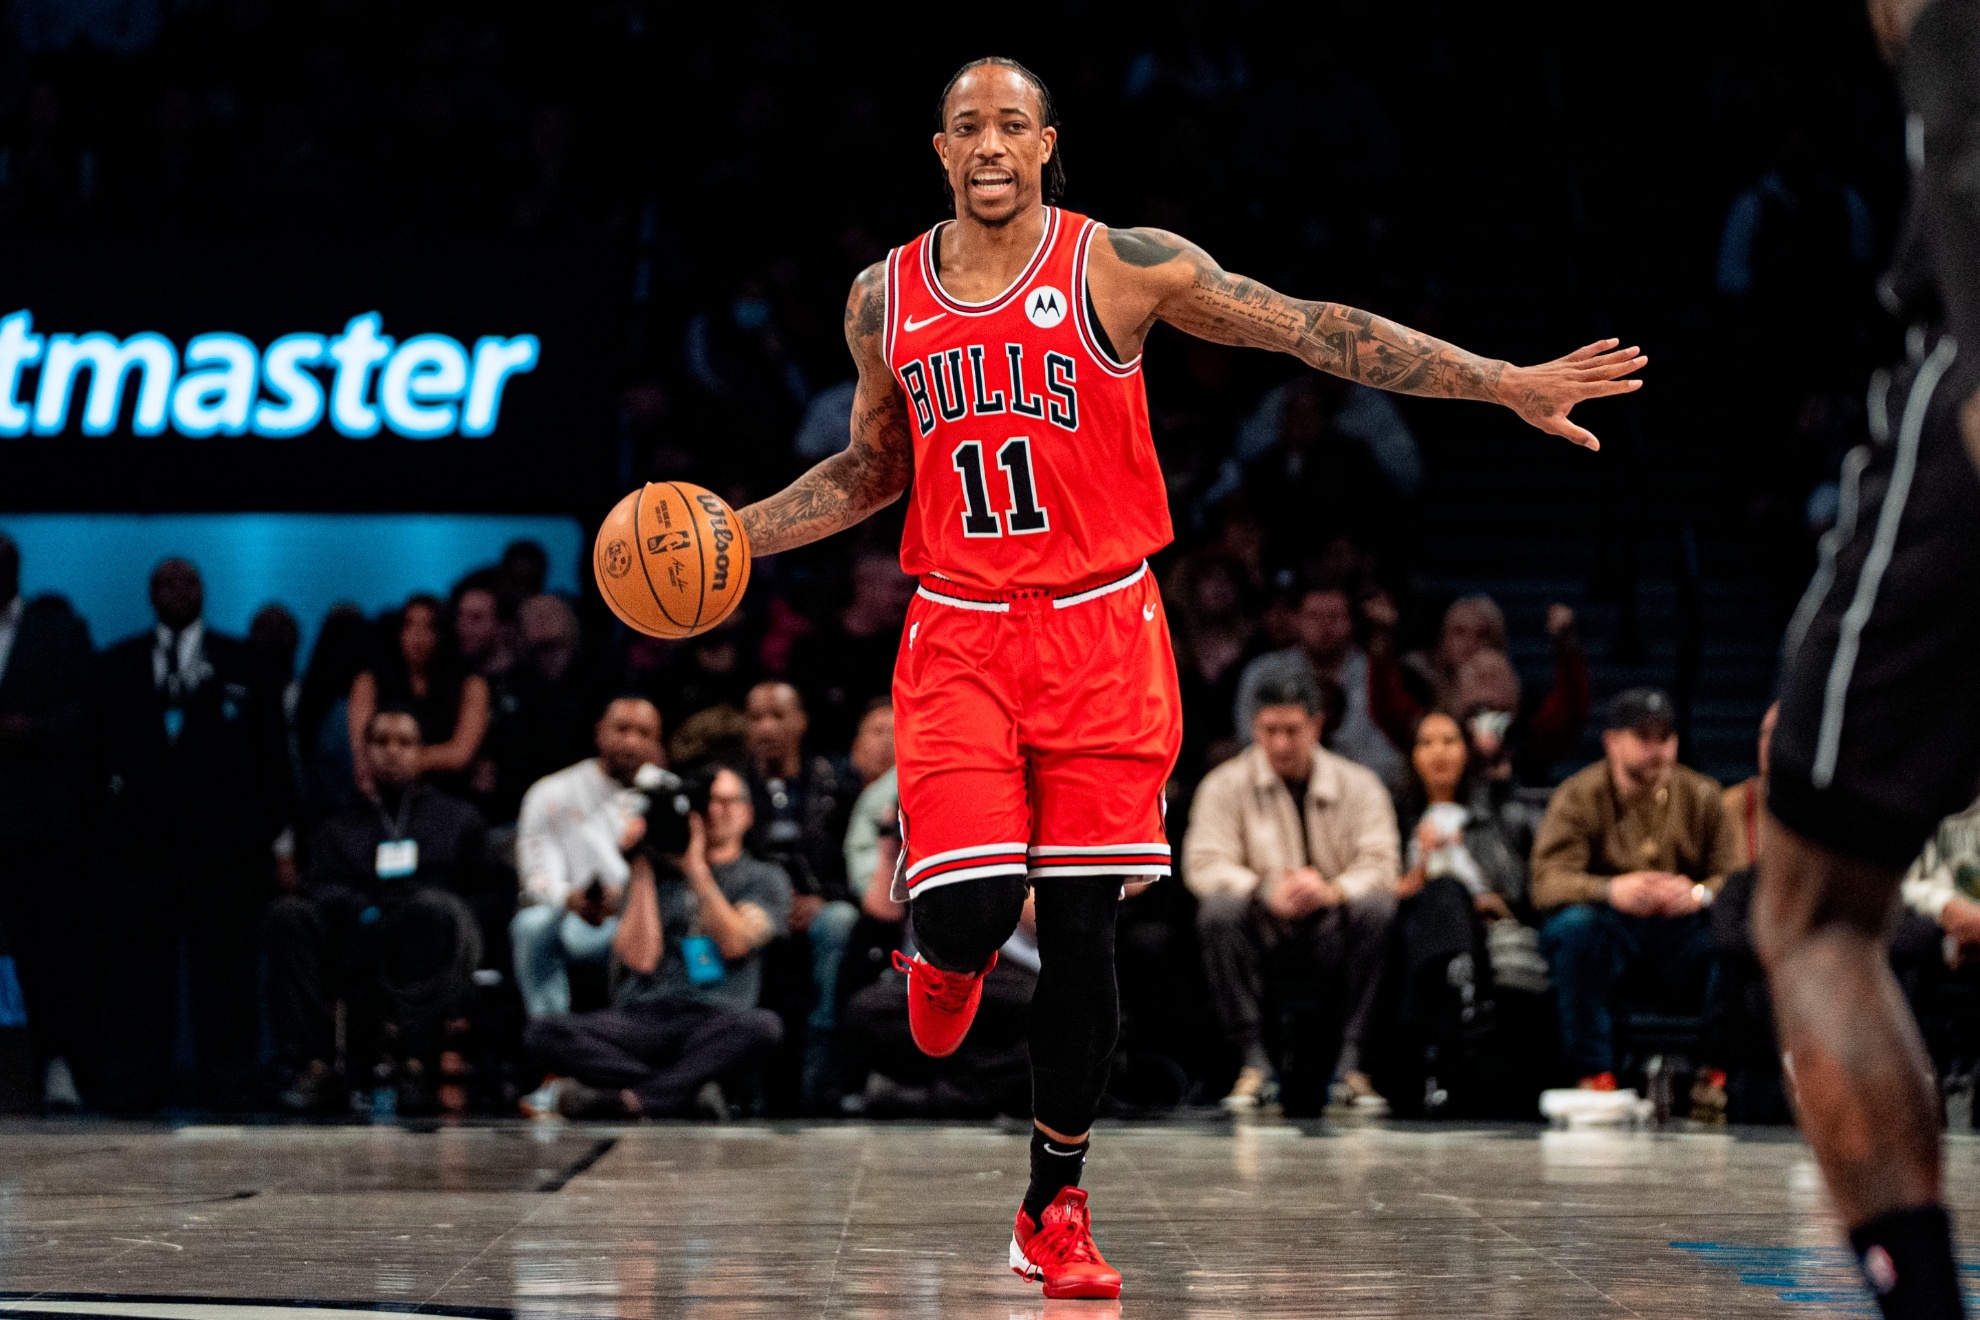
(1046, 307)
(724, 535)
(618, 559)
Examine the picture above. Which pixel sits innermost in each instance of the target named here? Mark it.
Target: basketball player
(1035, 696)
(1879, 732)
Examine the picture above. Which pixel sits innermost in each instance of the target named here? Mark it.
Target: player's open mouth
(991, 181)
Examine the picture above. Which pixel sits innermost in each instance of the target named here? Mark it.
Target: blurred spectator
(716, 668)
(1322, 452)
(1943, 885)
(343, 648)
(486, 644)
(382, 922)
(878, 806)
(544, 706)
(521, 575)
(1460, 938)
(419, 669)
(802, 808)
(1745, 799)
(1213, 639)
(1292, 852)
(1469, 674)
(827, 425)
(273, 638)
(848, 659)
(692, 940)
(194, 792)
(1325, 649)
(571, 842)
(1630, 854)
(991, 1072)
(44, 677)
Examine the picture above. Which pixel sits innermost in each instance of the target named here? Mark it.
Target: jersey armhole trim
(887, 293)
(1081, 300)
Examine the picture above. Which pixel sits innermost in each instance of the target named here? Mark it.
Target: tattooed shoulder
(866, 306)
(1145, 247)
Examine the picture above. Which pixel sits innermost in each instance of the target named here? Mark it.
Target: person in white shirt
(571, 842)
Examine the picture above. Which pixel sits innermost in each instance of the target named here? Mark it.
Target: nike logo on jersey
(911, 325)
(1148, 612)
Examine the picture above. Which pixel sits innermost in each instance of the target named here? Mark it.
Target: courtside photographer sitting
(698, 912)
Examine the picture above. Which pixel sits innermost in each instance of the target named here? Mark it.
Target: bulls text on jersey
(989, 380)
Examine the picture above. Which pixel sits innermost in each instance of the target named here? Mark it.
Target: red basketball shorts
(1035, 731)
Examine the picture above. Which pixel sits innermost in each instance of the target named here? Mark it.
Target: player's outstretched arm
(873, 470)
(1180, 284)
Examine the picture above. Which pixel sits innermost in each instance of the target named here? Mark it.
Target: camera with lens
(670, 799)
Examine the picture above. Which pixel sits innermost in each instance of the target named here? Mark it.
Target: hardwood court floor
(733, 1223)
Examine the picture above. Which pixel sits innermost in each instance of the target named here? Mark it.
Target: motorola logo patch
(1046, 306)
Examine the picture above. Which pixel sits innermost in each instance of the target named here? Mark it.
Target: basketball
(671, 559)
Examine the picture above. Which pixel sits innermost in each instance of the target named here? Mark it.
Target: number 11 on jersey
(1025, 517)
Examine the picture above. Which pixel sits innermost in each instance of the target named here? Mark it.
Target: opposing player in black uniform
(1879, 733)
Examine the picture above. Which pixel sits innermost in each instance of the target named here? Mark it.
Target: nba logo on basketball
(1046, 307)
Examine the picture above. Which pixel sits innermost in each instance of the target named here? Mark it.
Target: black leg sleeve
(1076, 1012)
(958, 926)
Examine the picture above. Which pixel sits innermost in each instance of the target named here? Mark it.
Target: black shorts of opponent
(1879, 733)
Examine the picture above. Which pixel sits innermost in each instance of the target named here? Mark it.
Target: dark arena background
(257, 1059)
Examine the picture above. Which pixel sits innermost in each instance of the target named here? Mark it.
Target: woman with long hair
(1460, 939)
(419, 667)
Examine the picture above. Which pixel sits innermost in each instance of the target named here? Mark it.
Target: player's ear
(941, 149)
(1050, 137)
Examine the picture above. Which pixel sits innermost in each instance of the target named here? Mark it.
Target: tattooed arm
(873, 470)
(1141, 276)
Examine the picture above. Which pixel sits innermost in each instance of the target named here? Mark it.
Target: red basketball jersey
(1033, 463)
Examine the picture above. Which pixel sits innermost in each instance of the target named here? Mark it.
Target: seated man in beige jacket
(1293, 853)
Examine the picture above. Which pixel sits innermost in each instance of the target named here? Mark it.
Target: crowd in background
(467, 857)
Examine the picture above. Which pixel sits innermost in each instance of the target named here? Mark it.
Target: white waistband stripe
(956, 602)
(1061, 602)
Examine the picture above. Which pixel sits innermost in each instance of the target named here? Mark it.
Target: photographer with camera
(576, 827)
(698, 912)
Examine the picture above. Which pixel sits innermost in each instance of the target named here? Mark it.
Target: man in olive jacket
(1630, 855)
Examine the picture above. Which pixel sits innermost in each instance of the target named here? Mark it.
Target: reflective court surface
(1267, 1220)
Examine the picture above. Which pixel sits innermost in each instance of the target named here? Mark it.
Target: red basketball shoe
(941, 1005)
(1060, 1251)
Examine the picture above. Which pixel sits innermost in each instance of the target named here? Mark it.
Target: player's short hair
(1053, 182)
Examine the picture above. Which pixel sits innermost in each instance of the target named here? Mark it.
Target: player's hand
(1544, 395)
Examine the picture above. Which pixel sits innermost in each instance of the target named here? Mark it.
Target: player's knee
(958, 926)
